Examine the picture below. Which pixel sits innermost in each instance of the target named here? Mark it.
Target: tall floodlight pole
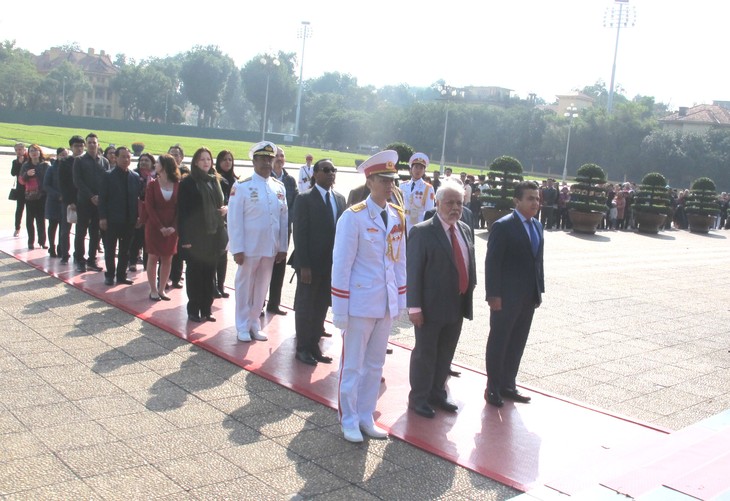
(269, 61)
(571, 112)
(304, 32)
(447, 93)
(618, 16)
(63, 97)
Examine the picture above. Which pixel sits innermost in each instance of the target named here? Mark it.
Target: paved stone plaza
(98, 404)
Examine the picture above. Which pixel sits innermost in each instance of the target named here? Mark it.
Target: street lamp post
(618, 18)
(571, 112)
(266, 60)
(63, 96)
(447, 93)
(304, 32)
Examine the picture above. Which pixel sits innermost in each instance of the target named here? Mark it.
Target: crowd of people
(387, 251)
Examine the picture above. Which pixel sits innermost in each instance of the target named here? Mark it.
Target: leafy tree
(65, 80)
(19, 78)
(205, 73)
(282, 86)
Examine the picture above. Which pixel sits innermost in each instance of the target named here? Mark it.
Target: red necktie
(459, 259)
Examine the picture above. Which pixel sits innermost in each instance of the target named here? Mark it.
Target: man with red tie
(515, 283)
(441, 272)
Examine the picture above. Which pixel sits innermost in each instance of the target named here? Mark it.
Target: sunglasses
(328, 170)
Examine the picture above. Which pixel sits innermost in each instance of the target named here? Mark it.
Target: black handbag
(13, 195)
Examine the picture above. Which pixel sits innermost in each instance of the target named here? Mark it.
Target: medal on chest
(394, 241)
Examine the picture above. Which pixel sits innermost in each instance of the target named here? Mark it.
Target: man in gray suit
(441, 273)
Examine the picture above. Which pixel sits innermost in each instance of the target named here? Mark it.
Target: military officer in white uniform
(418, 195)
(306, 173)
(257, 229)
(368, 292)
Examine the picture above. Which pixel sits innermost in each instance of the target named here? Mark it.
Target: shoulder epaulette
(281, 183)
(244, 180)
(396, 206)
(359, 206)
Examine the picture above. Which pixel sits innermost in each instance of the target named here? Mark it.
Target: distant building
(101, 100)
(487, 94)
(698, 119)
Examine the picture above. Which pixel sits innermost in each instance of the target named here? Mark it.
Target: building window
(88, 109)
(108, 113)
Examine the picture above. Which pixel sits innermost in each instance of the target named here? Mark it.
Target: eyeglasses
(328, 170)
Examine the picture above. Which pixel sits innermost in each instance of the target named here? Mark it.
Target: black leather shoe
(424, 410)
(124, 281)
(454, 373)
(276, 310)
(224, 294)
(326, 334)
(108, 281)
(91, 265)
(81, 267)
(195, 318)
(444, 405)
(216, 294)
(209, 318)
(493, 398)
(515, 396)
(322, 358)
(177, 285)
(305, 357)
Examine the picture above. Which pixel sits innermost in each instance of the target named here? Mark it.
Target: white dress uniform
(305, 177)
(418, 197)
(369, 286)
(257, 227)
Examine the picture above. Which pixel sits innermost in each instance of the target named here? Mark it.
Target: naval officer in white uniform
(418, 195)
(368, 292)
(257, 229)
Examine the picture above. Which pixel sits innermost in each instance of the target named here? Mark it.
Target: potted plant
(137, 148)
(587, 205)
(701, 206)
(652, 206)
(504, 173)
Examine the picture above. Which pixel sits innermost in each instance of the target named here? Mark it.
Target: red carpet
(523, 446)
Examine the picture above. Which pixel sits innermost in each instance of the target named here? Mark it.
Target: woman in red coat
(161, 226)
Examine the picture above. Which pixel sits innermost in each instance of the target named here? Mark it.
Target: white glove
(340, 321)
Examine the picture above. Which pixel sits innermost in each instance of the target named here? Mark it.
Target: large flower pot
(585, 222)
(490, 215)
(700, 223)
(649, 222)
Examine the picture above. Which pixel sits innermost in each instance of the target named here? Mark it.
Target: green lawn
(54, 137)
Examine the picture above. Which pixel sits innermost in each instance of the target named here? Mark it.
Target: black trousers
(199, 278)
(117, 233)
(220, 271)
(277, 282)
(136, 245)
(64, 234)
(19, 208)
(52, 227)
(310, 310)
(88, 221)
(35, 213)
(508, 331)
(176, 269)
(431, 360)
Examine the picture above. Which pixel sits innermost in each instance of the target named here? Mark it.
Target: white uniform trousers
(361, 366)
(252, 283)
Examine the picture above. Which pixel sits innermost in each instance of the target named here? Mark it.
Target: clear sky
(674, 52)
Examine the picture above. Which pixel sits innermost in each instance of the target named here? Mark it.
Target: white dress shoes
(352, 435)
(244, 336)
(373, 431)
(259, 335)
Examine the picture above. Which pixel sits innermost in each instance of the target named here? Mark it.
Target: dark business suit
(118, 195)
(279, 270)
(514, 274)
(433, 286)
(467, 216)
(314, 239)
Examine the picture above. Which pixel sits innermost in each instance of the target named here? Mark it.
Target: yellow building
(697, 119)
(101, 100)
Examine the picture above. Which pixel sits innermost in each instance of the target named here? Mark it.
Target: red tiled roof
(88, 63)
(703, 113)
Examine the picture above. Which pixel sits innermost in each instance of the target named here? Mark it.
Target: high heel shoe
(164, 296)
(155, 298)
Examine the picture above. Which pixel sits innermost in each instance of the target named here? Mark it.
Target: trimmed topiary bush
(504, 174)
(702, 198)
(588, 193)
(653, 196)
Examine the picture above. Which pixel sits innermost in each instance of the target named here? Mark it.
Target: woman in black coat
(202, 233)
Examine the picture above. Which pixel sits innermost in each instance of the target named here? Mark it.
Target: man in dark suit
(118, 194)
(315, 216)
(277, 275)
(441, 271)
(515, 283)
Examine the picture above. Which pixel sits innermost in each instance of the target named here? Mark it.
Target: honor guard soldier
(257, 228)
(368, 292)
(306, 174)
(418, 195)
